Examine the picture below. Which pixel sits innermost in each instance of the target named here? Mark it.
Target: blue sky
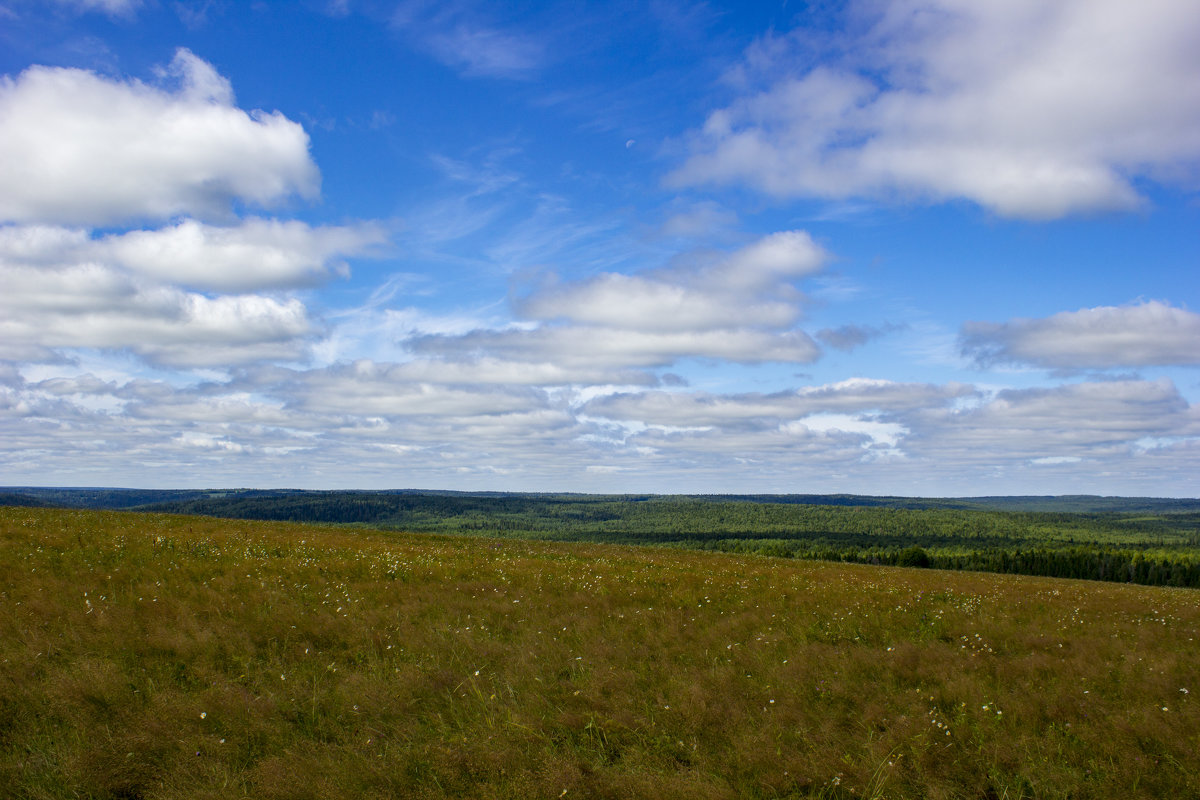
(923, 247)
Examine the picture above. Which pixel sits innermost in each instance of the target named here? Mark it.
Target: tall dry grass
(160, 657)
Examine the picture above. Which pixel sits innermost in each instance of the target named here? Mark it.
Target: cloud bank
(902, 438)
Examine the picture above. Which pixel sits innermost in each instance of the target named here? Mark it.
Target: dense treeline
(23, 499)
(93, 498)
(1149, 568)
(1124, 566)
(1157, 547)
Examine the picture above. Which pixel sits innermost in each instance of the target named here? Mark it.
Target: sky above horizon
(920, 247)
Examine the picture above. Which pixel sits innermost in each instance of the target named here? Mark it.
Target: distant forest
(1154, 541)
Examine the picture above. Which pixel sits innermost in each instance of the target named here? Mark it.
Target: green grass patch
(154, 656)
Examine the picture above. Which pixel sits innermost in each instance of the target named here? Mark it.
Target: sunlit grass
(154, 656)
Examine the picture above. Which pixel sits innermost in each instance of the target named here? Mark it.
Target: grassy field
(148, 656)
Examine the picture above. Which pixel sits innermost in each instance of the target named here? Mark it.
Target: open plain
(157, 656)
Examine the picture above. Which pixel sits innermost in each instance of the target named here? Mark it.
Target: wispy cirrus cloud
(704, 220)
(1029, 109)
(113, 8)
(457, 35)
(849, 337)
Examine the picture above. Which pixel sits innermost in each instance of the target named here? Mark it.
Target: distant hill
(1080, 503)
(1140, 540)
(230, 502)
(14, 498)
(96, 497)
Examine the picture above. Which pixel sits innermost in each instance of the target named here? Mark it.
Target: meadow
(158, 656)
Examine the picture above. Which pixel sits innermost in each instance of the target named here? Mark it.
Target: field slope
(155, 656)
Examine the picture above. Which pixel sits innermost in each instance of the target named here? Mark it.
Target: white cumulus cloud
(253, 254)
(1030, 109)
(78, 148)
(741, 308)
(1147, 334)
(91, 306)
(579, 346)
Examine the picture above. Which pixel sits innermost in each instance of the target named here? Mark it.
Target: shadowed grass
(156, 656)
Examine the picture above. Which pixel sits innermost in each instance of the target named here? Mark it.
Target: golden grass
(159, 657)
